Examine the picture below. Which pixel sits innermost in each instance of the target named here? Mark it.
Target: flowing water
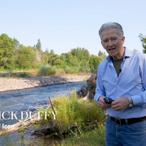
(28, 100)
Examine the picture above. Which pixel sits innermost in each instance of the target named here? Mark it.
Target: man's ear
(123, 38)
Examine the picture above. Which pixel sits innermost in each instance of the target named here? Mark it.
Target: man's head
(112, 39)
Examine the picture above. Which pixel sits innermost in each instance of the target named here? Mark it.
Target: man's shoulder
(139, 55)
(103, 64)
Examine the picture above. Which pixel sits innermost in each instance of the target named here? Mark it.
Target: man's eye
(105, 41)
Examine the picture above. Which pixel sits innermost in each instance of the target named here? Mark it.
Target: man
(122, 78)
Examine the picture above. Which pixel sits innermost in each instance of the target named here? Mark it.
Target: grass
(73, 111)
(95, 137)
(83, 114)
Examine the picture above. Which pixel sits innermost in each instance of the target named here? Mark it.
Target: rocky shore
(7, 84)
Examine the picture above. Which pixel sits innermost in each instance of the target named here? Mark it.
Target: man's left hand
(120, 103)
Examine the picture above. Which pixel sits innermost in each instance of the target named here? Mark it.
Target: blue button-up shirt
(131, 82)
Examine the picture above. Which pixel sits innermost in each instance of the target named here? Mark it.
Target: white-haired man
(121, 89)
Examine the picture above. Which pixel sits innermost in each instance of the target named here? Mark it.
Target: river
(29, 100)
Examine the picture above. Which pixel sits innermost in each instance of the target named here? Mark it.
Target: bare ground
(7, 84)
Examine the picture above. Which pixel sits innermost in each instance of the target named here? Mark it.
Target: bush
(72, 112)
(47, 70)
(22, 75)
(71, 69)
(59, 71)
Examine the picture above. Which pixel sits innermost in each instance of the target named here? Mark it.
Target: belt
(127, 121)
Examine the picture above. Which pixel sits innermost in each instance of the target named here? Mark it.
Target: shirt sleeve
(100, 91)
(141, 98)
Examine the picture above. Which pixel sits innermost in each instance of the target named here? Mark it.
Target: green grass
(84, 114)
(95, 137)
(73, 111)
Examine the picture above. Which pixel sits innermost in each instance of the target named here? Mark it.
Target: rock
(88, 90)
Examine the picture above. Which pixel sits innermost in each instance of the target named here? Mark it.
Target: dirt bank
(7, 84)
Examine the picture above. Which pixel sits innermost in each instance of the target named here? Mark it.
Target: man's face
(112, 40)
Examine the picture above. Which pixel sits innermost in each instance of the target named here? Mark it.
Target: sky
(62, 25)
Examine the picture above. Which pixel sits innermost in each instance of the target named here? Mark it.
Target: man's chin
(113, 55)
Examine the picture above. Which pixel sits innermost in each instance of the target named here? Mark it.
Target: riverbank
(8, 84)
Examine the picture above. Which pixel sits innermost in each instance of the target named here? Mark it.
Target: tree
(94, 62)
(83, 58)
(38, 45)
(143, 39)
(26, 58)
(7, 51)
(80, 53)
(50, 58)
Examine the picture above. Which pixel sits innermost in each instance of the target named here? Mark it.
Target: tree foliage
(14, 55)
(26, 58)
(94, 62)
(143, 40)
(38, 45)
(7, 51)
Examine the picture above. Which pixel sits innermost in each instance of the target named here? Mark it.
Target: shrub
(71, 69)
(22, 75)
(70, 111)
(47, 70)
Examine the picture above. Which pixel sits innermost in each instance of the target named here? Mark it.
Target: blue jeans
(125, 135)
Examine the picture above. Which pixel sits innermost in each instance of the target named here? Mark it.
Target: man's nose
(110, 43)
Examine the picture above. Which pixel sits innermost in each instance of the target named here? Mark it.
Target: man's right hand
(102, 103)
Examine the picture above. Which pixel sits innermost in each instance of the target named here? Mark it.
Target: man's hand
(102, 103)
(120, 103)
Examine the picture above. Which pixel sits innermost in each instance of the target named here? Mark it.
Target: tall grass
(73, 112)
(95, 137)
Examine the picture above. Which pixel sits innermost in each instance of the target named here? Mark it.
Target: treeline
(15, 56)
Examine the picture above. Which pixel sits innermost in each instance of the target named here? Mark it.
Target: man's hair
(111, 25)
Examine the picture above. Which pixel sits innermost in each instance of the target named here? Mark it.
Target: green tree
(26, 58)
(50, 58)
(38, 45)
(45, 56)
(82, 56)
(94, 62)
(53, 59)
(80, 53)
(7, 51)
(143, 40)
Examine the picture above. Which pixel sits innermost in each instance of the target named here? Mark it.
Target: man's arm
(141, 98)
(125, 102)
(100, 91)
